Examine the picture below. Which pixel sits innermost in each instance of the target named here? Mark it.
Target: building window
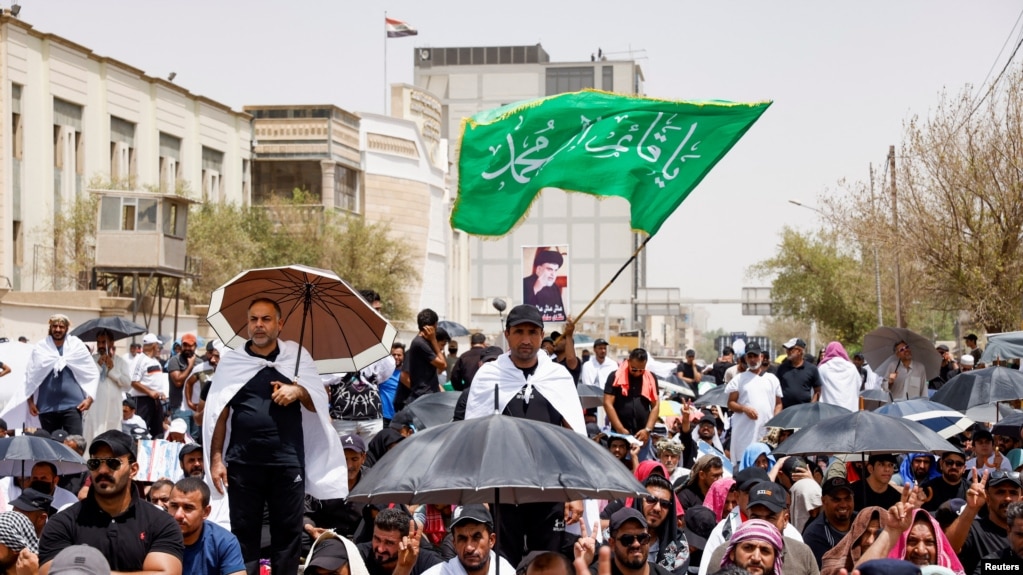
(607, 80)
(122, 151)
(569, 79)
(170, 163)
(127, 214)
(68, 151)
(173, 220)
(212, 167)
(346, 189)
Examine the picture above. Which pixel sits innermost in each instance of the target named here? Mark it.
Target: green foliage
(231, 239)
(815, 277)
(74, 242)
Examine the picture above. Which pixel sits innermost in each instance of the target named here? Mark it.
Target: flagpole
(612, 280)
(385, 62)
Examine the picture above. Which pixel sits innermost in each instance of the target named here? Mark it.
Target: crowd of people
(266, 462)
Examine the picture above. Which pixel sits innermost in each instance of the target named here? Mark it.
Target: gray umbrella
(496, 459)
(716, 396)
(864, 432)
(433, 409)
(19, 454)
(805, 414)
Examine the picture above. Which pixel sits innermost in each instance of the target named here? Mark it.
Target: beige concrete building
(468, 80)
(378, 167)
(72, 120)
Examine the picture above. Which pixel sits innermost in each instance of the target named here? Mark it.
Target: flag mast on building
(398, 29)
(394, 28)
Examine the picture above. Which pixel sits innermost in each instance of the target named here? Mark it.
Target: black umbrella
(433, 409)
(118, 327)
(21, 453)
(496, 459)
(981, 387)
(864, 432)
(716, 396)
(590, 395)
(1011, 426)
(453, 328)
(805, 415)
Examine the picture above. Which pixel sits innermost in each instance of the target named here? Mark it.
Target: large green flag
(650, 152)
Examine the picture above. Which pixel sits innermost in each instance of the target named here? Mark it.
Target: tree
(959, 229)
(815, 277)
(74, 243)
(231, 239)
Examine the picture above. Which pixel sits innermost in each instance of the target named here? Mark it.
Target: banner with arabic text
(647, 151)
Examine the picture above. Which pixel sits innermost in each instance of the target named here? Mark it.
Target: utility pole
(899, 318)
(877, 263)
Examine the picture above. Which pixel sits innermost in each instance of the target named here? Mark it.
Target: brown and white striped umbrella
(321, 311)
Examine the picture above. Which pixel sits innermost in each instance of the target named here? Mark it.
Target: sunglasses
(1011, 475)
(902, 349)
(112, 462)
(953, 463)
(628, 539)
(650, 499)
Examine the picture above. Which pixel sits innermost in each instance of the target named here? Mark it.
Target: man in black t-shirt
(264, 463)
(877, 491)
(688, 371)
(800, 380)
(630, 398)
(424, 359)
(949, 485)
(724, 362)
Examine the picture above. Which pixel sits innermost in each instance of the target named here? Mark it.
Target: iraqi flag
(398, 29)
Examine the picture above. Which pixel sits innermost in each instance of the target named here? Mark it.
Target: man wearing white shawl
(60, 383)
(270, 440)
(531, 386)
(115, 379)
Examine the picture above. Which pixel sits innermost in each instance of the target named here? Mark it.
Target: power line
(998, 79)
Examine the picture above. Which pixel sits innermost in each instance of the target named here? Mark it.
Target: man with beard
(472, 530)
(757, 547)
(114, 380)
(669, 549)
(132, 534)
(191, 460)
(61, 382)
(179, 367)
(918, 468)
(630, 545)
(949, 485)
(830, 526)
(753, 399)
(540, 289)
(394, 549)
(599, 366)
(984, 520)
(530, 385)
(1013, 554)
(707, 470)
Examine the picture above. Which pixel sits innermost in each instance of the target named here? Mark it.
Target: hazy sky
(844, 77)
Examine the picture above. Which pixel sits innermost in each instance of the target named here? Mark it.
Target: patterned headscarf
(17, 532)
(762, 531)
(61, 319)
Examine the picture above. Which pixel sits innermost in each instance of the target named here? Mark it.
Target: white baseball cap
(151, 338)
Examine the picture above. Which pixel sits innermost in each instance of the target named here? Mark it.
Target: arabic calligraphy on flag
(650, 152)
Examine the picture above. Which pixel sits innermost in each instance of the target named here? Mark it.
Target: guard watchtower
(140, 236)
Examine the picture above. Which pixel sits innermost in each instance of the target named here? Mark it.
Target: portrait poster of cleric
(545, 284)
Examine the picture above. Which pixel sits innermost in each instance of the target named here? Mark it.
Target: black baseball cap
(769, 494)
(353, 442)
(119, 442)
(708, 419)
(476, 512)
(983, 433)
(624, 515)
(747, 478)
(834, 485)
(32, 500)
(793, 463)
(999, 476)
(188, 448)
(523, 313)
(752, 347)
(491, 353)
(329, 555)
(700, 521)
(599, 341)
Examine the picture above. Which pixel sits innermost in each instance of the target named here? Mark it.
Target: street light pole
(899, 320)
